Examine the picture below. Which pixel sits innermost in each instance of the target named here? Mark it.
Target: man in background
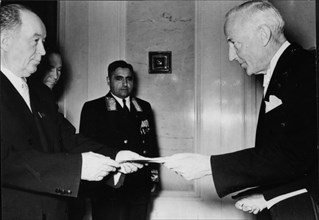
(52, 73)
(284, 159)
(122, 120)
(38, 171)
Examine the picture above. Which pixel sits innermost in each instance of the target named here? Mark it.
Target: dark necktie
(125, 108)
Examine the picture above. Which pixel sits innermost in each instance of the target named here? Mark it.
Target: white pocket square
(273, 103)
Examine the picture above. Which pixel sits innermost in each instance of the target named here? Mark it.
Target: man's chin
(27, 74)
(49, 84)
(30, 71)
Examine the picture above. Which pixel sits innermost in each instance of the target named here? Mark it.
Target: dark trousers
(130, 206)
(301, 207)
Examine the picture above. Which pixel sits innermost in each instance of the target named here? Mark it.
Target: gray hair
(10, 19)
(262, 11)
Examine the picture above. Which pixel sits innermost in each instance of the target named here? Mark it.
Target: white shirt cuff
(277, 199)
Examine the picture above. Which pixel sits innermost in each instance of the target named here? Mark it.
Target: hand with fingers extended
(96, 166)
(252, 204)
(189, 165)
(128, 167)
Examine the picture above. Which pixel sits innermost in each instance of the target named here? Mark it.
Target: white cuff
(277, 199)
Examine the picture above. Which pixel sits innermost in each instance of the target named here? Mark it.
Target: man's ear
(108, 80)
(5, 41)
(265, 34)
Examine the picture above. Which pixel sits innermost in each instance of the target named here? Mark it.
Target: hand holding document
(96, 166)
(189, 165)
(126, 158)
(131, 162)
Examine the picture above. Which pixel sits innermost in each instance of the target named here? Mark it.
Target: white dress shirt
(19, 83)
(127, 101)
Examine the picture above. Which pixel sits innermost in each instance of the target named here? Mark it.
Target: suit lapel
(38, 119)
(280, 74)
(15, 107)
(13, 98)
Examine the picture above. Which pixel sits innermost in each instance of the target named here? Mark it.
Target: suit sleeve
(78, 143)
(32, 170)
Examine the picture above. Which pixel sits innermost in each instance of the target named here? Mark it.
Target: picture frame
(160, 62)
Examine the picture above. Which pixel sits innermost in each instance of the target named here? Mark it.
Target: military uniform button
(125, 141)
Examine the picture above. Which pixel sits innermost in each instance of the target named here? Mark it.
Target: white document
(146, 160)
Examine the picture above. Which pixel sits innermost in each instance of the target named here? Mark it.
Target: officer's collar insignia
(136, 105)
(110, 103)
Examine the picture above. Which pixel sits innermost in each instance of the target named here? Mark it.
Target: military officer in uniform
(126, 122)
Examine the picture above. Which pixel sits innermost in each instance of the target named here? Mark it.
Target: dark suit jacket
(39, 171)
(284, 158)
(104, 121)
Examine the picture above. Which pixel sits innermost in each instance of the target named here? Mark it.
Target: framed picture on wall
(160, 62)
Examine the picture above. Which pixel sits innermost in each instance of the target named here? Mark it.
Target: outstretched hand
(128, 167)
(189, 165)
(96, 166)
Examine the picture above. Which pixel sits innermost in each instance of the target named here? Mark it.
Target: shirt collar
(119, 100)
(16, 81)
(273, 63)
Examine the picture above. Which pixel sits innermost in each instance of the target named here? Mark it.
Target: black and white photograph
(159, 110)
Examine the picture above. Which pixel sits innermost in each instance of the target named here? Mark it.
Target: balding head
(22, 37)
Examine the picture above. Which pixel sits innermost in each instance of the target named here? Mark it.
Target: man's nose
(40, 48)
(232, 55)
(55, 74)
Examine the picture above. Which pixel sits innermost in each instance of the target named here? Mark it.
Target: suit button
(125, 141)
(144, 151)
(143, 141)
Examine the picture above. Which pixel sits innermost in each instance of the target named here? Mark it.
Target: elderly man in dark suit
(39, 171)
(282, 167)
(120, 119)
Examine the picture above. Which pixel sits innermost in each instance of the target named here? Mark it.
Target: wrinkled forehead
(237, 26)
(32, 25)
